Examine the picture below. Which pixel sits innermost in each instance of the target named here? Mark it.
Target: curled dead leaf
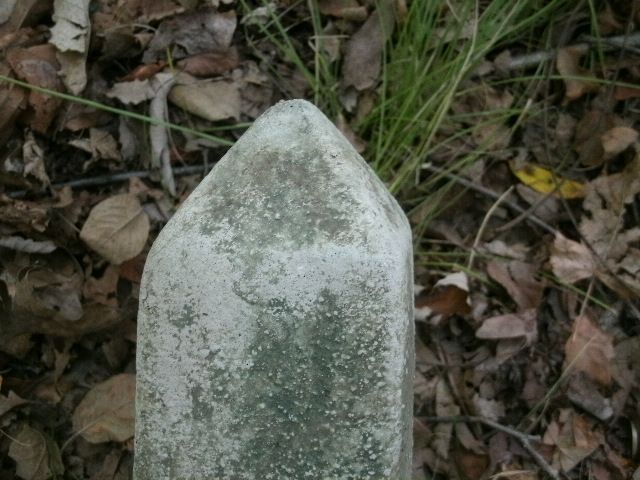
(38, 66)
(50, 290)
(450, 296)
(568, 64)
(100, 144)
(617, 140)
(70, 35)
(615, 246)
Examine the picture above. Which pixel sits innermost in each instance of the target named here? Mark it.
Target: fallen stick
(523, 438)
(115, 178)
(628, 42)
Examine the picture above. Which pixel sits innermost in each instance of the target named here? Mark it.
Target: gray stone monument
(275, 332)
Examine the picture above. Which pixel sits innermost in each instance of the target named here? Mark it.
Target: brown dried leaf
(445, 406)
(467, 439)
(607, 21)
(49, 290)
(191, 33)
(511, 326)
(625, 368)
(211, 63)
(144, 72)
(213, 101)
(590, 350)
(363, 52)
(100, 144)
(10, 402)
(132, 93)
(613, 192)
(12, 102)
(103, 290)
(29, 450)
(486, 408)
(450, 296)
(24, 216)
(107, 412)
(471, 465)
(607, 199)
(257, 90)
(574, 438)
(46, 294)
(587, 141)
(80, 117)
(519, 279)
(33, 157)
(348, 9)
(568, 64)
(109, 468)
(38, 66)
(117, 228)
(132, 269)
(570, 261)
(482, 98)
(617, 140)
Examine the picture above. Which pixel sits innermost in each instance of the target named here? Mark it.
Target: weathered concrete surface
(275, 334)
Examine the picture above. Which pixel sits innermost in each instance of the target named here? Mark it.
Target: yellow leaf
(545, 181)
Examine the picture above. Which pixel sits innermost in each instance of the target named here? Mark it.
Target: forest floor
(508, 131)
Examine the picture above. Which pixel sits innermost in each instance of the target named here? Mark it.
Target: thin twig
(115, 178)
(524, 439)
(159, 136)
(483, 225)
(523, 216)
(628, 42)
(490, 193)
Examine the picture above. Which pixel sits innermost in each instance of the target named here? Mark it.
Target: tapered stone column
(275, 332)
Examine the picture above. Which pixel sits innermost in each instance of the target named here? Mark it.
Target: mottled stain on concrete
(275, 324)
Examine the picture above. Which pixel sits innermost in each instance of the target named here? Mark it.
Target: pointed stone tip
(296, 103)
(294, 160)
(296, 114)
(292, 126)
